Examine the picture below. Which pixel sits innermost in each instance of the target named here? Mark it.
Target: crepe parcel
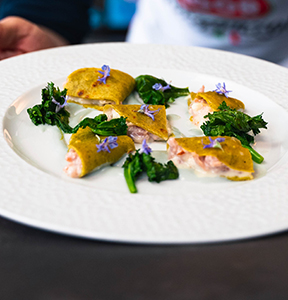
(218, 156)
(202, 103)
(86, 87)
(87, 153)
(150, 124)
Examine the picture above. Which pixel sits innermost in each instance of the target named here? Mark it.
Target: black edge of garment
(69, 18)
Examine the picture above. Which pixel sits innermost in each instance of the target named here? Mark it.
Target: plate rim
(58, 53)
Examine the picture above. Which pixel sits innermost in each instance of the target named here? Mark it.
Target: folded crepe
(139, 124)
(84, 156)
(202, 103)
(227, 159)
(214, 100)
(84, 86)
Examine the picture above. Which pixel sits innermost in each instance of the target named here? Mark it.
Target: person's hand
(18, 36)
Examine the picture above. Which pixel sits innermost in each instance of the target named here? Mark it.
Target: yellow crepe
(232, 154)
(83, 86)
(214, 100)
(84, 143)
(157, 127)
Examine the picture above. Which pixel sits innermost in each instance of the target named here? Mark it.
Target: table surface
(36, 264)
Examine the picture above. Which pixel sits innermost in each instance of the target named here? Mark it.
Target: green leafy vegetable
(133, 167)
(230, 122)
(158, 172)
(138, 163)
(48, 112)
(45, 113)
(164, 96)
(100, 125)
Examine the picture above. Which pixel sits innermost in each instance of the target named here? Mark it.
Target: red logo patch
(242, 9)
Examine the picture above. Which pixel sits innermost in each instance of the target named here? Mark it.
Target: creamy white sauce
(90, 101)
(183, 123)
(178, 118)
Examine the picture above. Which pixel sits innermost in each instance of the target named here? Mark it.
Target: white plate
(34, 190)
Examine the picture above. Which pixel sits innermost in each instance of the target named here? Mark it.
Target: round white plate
(193, 209)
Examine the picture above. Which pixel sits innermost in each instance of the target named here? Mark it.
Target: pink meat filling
(137, 134)
(181, 157)
(74, 167)
(199, 108)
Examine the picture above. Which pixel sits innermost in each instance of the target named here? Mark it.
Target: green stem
(255, 155)
(129, 180)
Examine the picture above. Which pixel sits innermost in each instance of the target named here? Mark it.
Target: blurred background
(109, 20)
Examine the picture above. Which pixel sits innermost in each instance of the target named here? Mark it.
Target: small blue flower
(105, 74)
(145, 148)
(58, 105)
(222, 89)
(144, 109)
(158, 86)
(112, 141)
(109, 141)
(214, 143)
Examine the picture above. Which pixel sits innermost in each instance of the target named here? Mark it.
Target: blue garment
(69, 18)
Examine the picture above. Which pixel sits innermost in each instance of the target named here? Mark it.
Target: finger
(9, 53)
(12, 30)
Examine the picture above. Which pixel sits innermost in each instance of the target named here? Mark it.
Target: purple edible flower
(222, 89)
(144, 109)
(145, 148)
(159, 86)
(58, 105)
(109, 141)
(214, 143)
(105, 74)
